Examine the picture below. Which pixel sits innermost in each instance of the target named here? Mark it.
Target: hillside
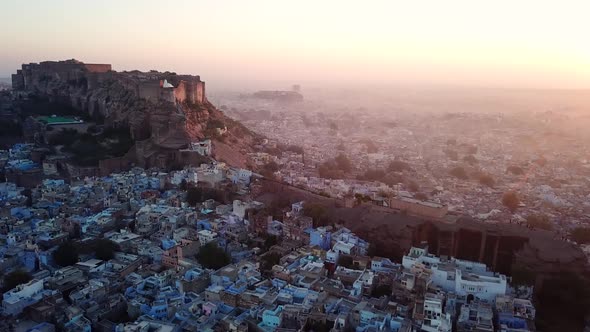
(164, 112)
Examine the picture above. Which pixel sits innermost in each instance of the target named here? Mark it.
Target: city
(144, 200)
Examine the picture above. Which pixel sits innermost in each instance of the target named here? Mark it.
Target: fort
(33, 74)
(164, 111)
(152, 86)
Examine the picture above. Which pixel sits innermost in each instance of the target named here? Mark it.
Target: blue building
(271, 319)
(320, 237)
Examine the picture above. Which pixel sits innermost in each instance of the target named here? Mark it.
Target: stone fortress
(150, 86)
(165, 112)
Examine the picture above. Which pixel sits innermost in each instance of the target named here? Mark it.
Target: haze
(524, 44)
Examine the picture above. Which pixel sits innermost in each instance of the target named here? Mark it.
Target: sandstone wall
(193, 92)
(149, 91)
(97, 68)
(180, 92)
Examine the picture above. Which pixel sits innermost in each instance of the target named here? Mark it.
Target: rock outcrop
(164, 112)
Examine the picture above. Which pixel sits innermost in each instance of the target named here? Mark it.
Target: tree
(270, 241)
(328, 170)
(511, 200)
(343, 163)
(470, 159)
(373, 175)
(381, 290)
(295, 148)
(105, 249)
(15, 278)
(421, 196)
(384, 193)
(269, 260)
(211, 256)
(345, 261)
(183, 185)
(196, 195)
(539, 221)
(398, 166)
(269, 169)
(193, 196)
(459, 172)
(362, 198)
(66, 254)
(371, 147)
(515, 170)
(393, 179)
(318, 326)
(541, 161)
(29, 195)
(486, 180)
(318, 213)
(278, 205)
(581, 235)
(271, 166)
(452, 154)
(563, 302)
(522, 275)
(413, 186)
(215, 123)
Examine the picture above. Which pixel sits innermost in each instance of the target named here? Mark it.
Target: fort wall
(180, 92)
(98, 68)
(148, 86)
(190, 91)
(149, 90)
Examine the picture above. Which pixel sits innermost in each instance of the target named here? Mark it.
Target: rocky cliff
(164, 112)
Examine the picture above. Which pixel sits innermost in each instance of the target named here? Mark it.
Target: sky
(500, 43)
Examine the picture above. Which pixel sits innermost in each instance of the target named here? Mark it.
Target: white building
(239, 175)
(344, 248)
(189, 175)
(206, 236)
(435, 319)
(464, 278)
(211, 174)
(22, 296)
(476, 316)
(203, 147)
(91, 265)
(363, 283)
(239, 208)
(380, 264)
(344, 235)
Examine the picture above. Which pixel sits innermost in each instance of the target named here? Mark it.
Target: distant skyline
(237, 44)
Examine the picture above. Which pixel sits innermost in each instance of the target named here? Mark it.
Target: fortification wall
(18, 80)
(149, 91)
(95, 78)
(191, 91)
(200, 92)
(32, 75)
(98, 67)
(180, 92)
(129, 83)
(419, 209)
(167, 94)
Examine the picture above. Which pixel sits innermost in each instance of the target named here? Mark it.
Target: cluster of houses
(550, 179)
(281, 275)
